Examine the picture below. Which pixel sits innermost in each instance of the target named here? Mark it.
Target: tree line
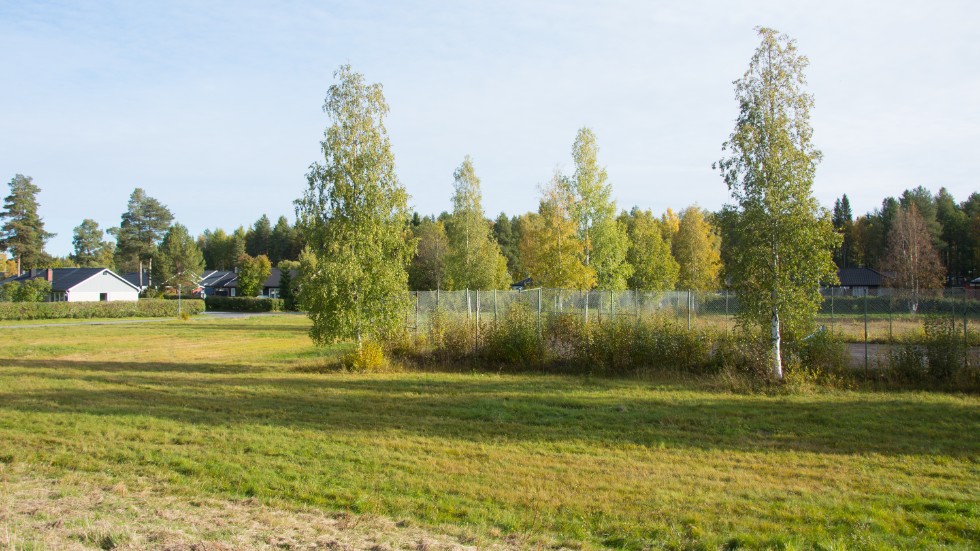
(360, 247)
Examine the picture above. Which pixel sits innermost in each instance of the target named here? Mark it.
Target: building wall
(91, 289)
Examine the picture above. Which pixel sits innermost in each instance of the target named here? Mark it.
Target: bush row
(144, 308)
(621, 347)
(243, 304)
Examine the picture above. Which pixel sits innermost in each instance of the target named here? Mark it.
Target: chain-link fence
(871, 323)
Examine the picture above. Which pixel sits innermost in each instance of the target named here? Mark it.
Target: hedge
(144, 308)
(243, 304)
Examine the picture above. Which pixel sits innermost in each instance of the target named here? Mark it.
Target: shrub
(145, 308)
(368, 357)
(243, 304)
(514, 341)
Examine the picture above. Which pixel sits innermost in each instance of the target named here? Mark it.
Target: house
(859, 282)
(82, 284)
(222, 283)
(141, 280)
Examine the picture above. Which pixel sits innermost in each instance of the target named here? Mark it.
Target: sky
(215, 108)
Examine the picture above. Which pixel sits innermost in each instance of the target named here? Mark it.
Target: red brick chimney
(49, 274)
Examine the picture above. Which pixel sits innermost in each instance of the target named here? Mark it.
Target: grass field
(115, 436)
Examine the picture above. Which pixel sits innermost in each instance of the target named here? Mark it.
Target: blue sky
(215, 108)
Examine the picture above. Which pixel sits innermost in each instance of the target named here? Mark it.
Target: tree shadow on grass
(526, 409)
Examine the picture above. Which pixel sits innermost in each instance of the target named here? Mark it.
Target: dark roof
(860, 277)
(63, 279)
(134, 278)
(225, 279)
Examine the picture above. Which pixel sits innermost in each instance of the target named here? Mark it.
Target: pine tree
(178, 261)
(22, 233)
(91, 251)
(143, 225)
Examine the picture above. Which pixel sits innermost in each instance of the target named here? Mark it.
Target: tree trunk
(777, 360)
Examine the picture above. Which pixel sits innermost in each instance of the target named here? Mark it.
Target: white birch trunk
(777, 360)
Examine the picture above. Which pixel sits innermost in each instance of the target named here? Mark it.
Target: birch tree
(786, 240)
(474, 260)
(698, 252)
(552, 251)
(911, 257)
(354, 217)
(603, 237)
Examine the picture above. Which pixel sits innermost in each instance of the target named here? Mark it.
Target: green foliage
(91, 251)
(514, 342)
(178, 262)
(252, 274)
(258, 238)
(594, 212)
(22, 232)
(474, 260)
(354, 216)
(8, 291)
(369, 357)
(654, 267)
(428, 269)
(698, 253)
(142, 226)
(289, 285)
(784, 238)
(507, 232)
(552, 251)
(145, 308)
(244, 304)
(284, 242)
(37, 289)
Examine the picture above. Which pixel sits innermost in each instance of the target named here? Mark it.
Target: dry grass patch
(68, 512)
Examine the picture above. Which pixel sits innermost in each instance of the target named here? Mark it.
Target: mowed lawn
(233, 409)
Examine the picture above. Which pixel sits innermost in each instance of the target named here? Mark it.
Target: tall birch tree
(475, 260)
(604, 239)
(786, 240)
(354, 216)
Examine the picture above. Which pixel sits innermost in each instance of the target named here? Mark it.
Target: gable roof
(860, 277)
(224, 279)
(64, 279)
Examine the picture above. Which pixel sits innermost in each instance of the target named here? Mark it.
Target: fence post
(890, 300)
(866, 330)
(688, 309)
(966, 335)
(587, 306)
(831, 309)
(539, 314)
(612, 307)
(476, 343)
(636, 303)
(416, 317)
(469, 313)
(437, 298)
(495, 307)
(727, 321)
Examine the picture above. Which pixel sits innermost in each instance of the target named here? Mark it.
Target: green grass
(229, 409)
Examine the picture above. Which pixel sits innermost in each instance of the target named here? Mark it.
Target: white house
(82, 284)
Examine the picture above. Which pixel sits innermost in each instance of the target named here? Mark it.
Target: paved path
(204, 315)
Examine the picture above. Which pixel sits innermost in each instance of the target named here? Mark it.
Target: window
(103, 297)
